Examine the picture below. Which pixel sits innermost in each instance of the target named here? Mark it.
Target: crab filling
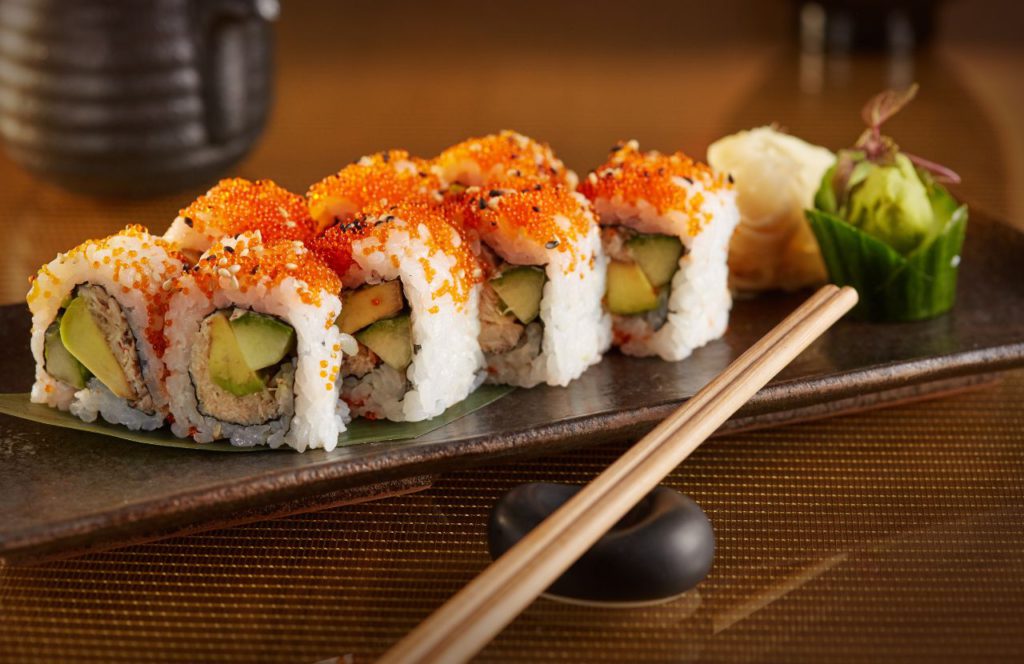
(91, 337)
(242, 366)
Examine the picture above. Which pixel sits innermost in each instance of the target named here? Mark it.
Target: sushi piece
(385, 178)
(776, 176)
(541, 319)
(235, 206)
(252, 352)
(97, 329)
(666, 224)
(412, 307)
(506, 157)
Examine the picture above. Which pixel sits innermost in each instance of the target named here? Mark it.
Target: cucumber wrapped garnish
(886, 226)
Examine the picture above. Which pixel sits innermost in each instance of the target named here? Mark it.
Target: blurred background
(352, 78)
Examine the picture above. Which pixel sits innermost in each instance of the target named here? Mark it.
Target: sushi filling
(379, 318)
(91, 339)
(510, 325)
(640, 273)
(242, 367)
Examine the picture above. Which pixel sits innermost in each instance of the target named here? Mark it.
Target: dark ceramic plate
(64, 491)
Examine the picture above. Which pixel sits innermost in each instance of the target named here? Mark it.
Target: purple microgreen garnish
(939, 172)
(879, 149)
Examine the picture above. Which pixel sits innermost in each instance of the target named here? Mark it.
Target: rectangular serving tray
(64, 492)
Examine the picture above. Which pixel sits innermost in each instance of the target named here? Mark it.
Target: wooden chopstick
(474, 615)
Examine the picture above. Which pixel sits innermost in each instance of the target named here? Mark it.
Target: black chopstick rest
(663, 547)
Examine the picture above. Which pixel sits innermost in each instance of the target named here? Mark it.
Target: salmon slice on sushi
(666, 223)
(411, 304)
(237, 205)
(253, 356)
(97, 329)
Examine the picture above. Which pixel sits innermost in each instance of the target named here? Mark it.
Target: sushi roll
(539, 248)
(385, 178)
(252, 352)
(412, 307)
(666, 222)
(235, 206)
(97, 321)
(506, 157)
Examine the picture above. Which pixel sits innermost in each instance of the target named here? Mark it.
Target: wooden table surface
(893, 535)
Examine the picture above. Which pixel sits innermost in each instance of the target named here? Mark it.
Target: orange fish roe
(245, 262)
(505, 158)
(385, 178)
(146, 277)
(551, 216)
(237, 205)
(632, 176)
(335, 245)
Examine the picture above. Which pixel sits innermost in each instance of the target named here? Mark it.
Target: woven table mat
(892, 534)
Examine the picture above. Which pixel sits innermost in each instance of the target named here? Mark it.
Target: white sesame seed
(633, 144)
(243, 253)
(234, 269)
(234, 282)
(291, 266)
(592, 178)
(224, 273)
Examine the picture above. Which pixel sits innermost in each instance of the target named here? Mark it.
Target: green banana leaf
(359, 431)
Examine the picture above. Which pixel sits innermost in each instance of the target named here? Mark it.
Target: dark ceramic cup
(133, 97)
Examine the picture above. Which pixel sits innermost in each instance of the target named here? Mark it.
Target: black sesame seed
(188, 221)
(688, 180)
(386, 157)
(615, 148)
(230, 250)
(255, 269)
(494, 192)
(538, 187)
(536, 209)
(551, 244)
(483, 204)
(731, 180)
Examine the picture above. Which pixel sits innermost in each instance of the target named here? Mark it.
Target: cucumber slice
(369, 304)
(657, 255)
(629, 291)
(391, 340)
(520, 290)
(263, 340)
(61, 364)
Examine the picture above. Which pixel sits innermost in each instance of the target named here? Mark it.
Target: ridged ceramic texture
(132, 98)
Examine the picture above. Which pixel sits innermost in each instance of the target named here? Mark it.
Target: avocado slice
(629, 291)
(83, 338)
(227, 366)
(59, 363)
(391, 340)
(369, 304)
(657, 255)
(520, 290)
(264, 340)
